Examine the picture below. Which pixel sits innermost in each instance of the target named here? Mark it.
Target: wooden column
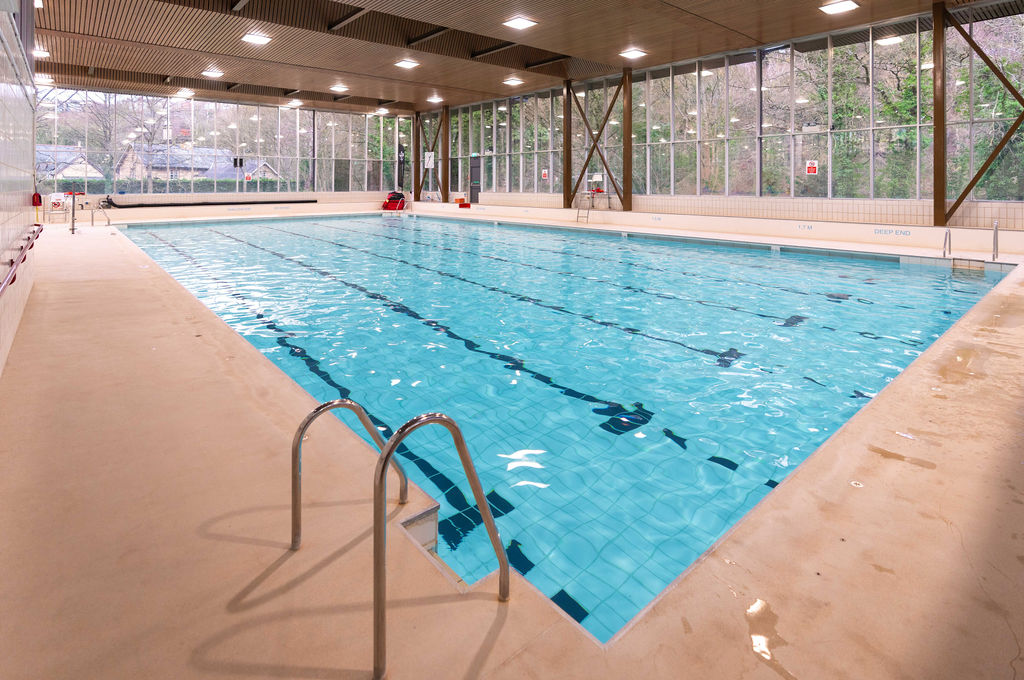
(939, 112)
(446, 149)
(567, 174)
(627, 139)
(416, 156)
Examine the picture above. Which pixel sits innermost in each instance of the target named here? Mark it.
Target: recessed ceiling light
(139, 129)
(960, 82)
(692, 113)
(613, 122)
(38, 4)
(513, 81)
(734, 120)
(633, 53)
(255, 39)
(184, 93)
(407, 63)
(294, 104)
(435, 99)
(503, 108)
(40, 53)
(892, 40)
(339, 88)
(254, 118)
(927, 66)
(839, 7)
(44, 78)
(519, 23)
(381, 111)
(706, 74)
(213, 73)
(803, 100)
(233, 126)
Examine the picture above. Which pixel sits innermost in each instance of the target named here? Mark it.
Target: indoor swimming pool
(626, 400)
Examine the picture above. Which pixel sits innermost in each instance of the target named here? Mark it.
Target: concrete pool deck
(145, 519)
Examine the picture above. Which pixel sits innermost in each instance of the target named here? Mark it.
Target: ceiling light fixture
(706, 74)
(633, 53)
(40, 53)
(512, 81)
(840, 7)
(255, 39)
(213, 73)
(927, 66)
(407, 63)
(435, 99)
(519, 23)
(339, 88)
(891, 40)
(43, 79)
(381, 111)
(295, 103)
(38, 4)
(503, 108)
(183, 93)
(803, 100)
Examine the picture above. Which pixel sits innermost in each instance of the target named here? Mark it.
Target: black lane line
(724, 359)
(571, 274)
(637, 265)
(445, 485)
(510, 362)
(794, 320)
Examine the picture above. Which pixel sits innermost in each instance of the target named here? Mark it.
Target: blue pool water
(626, 400)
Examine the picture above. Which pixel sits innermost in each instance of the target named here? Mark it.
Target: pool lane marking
(510, 362)
(724, 359)
(561, 272)
(452, 493)
(789, 322)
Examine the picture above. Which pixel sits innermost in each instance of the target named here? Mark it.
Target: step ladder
(583, 208)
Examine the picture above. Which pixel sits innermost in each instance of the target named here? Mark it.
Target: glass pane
(686, 168)
(896, 163)
(851, 93)
(1003, 41)
(777, 98)
(661, 169)
(712, 168)
(1004, 180)
(810, 83)
(851, 165)
(775, 166)
(896, 72)
(742, 167)
(659, 108)
(712, 105)
(743, 95)
(685, 103)
(808, 148)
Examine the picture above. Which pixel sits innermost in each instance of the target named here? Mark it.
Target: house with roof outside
(171, 162)
(60, 161)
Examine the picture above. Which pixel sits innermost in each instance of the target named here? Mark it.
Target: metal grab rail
(20, 257)
(99, 207)
(995, 240)
(947, 240)
(297, 459)
(380, 527)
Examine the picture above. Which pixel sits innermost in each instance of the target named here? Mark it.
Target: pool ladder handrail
(947, 240)
(380, 526)
(323, 408)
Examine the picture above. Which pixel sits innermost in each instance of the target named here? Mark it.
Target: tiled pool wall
(973, 214)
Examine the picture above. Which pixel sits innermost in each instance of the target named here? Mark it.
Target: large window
(107, 143)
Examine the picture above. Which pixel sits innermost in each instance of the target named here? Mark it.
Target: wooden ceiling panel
(454, 42)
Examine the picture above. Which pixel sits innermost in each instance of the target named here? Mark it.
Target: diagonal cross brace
(594, 142)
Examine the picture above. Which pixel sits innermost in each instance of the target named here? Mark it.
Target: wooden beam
(547, 62)
(345, 21)
(567, 194)
(234, 86)
(417, 181)
(238, 5)
(342, 97)
(627, 139)
(291, 93)
(493, 50)
(595, 144)
(939, 114)
(998, 72)
(446, 146)
(429, 35)
(984, 168)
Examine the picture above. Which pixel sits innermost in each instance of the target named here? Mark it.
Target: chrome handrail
(947, 240)
(995, 240)
(297, 459)
(99, 207)
(380, 527)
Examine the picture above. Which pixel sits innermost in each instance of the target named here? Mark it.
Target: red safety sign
(812, 167)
